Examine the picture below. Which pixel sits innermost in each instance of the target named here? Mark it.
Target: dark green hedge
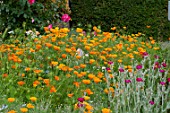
(134, 14)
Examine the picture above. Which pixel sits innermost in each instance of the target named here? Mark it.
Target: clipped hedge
(134, 14)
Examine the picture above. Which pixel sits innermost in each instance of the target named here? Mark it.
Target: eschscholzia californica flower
(21, 83)
(63, 55)
(86, 81)
(30, 106)
(23, 110)
(77, 84)
(82, 65)
(12, 111)
(106, 110)
(86, 97)
(97, 80)
(11, 99)
(4, 75)
(151, 102)
(88, 91)
(53, 89)
(139, 67)
(47, 81)
(33, 99)
(57, 78)
(70, 95)
(139, 79)
(91, 61)
(35, 83)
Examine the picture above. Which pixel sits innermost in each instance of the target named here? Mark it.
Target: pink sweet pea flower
(139, 79)
(65, 18)
(151, 102)
(31, 2)
(80, 99)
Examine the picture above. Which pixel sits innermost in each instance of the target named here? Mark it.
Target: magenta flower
(139, 67)
(50, 26)
(139, 79)
(151, 102)
(121, 69)
(156, 56)
(108, 68)
(162, 83)
(65, 18)
(161, 70)
(80, 105)
(164, 64)
(31, 2)
(110, 62)
(81, 99)
(128, 81)
(145, 54)
(168, 79)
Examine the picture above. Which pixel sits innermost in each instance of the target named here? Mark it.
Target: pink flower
(65, 18)
(162, 83)
(151, 102)
(161, 70)
(80, 105)
(81, 99)
(168, 79)
(31, 2)
(121, 69)
(50, 26)
(108, 68)
(32, 20)
(128, 81)
(164, 64)
(139, 67)
(145, 54)
(139, 79)
(110, 62)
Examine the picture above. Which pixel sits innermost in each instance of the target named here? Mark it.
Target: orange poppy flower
(86, 81)
(53, 89)
(47, 81)
(35, 83)
(70, 95)
(57, 78)
(56, 48)
(96, 80)
(30, 106)
(33, 99)
(91, 61)
(88, 91)
(77, 84)
(106, 110)
(4, 75)
(11, 99)
(63, 55)
(23, 110)
(21, 83)
(82, 65)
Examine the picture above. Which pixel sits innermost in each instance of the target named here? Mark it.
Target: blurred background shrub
(136, 15)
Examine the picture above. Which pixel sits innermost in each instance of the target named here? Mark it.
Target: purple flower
(139, 67)
(164, 64)
(108, 68)
(128, 81)
(168, 79)
(145, 54)
(162, 83)
(156, 56)
(110, 62)
(32, 20)
(161, 70)
(80, 105)
(80, 99)
(151, 102)
(139, 79)
(121, 69)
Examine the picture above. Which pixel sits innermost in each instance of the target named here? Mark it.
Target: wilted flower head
(151, 102)
(139, 79)
(65, 18)
(139, 67)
